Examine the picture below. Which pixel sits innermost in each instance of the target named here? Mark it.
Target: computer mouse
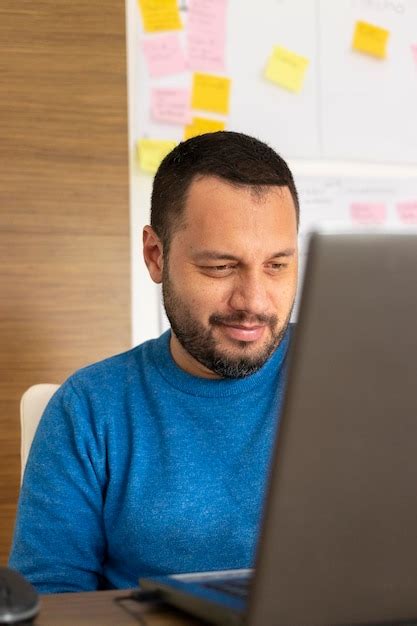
(19, 601)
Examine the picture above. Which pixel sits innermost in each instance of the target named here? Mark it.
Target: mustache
(241, 317)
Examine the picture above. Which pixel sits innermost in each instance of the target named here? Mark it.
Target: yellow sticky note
(286, 68)
(201, 125)
(370, 39)
(158, 15)
(211, 93)
(150, 153)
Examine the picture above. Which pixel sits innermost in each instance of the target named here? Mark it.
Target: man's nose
(249, 294)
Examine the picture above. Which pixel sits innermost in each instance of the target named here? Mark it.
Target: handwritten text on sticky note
(368, 212)
(201, 125)
(287, 69)
(206, 35)
(407, 212)
(170, 105)
(210, 93)
(150, 153)
(160, 15)
(163, 54)
(370, 39)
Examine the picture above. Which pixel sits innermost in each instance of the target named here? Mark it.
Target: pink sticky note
(171, 105)
(407, 212)
(206, 35)
(164, 54)
(414, 52)
(368, 212)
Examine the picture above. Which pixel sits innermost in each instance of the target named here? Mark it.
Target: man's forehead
(214, 184)
(210, 195)
(238, 240)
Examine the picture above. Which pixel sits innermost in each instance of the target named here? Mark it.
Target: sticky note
(160, 15)
(206, 35)
(368, 212)
(164, 55)
(370, 39)
(210, 93)
(201, 125)
(287, 69)
(150, 153)
(170, 105)
(407, 212)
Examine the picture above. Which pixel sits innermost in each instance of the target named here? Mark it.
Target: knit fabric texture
(139, 468)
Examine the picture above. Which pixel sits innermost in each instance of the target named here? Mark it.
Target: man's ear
(153, 254)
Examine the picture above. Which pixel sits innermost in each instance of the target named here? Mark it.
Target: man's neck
(186, 362)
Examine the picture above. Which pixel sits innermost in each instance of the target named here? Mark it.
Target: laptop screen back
(339, 545)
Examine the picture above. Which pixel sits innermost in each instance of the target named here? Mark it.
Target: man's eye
(218, 268)
(277, 266)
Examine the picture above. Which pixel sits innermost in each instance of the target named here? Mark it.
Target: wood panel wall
(64, 217)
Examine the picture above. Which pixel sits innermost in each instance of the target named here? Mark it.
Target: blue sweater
(139, 468)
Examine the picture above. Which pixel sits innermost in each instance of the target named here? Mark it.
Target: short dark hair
(233, 157)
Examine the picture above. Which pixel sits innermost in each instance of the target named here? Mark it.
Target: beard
(202, 345)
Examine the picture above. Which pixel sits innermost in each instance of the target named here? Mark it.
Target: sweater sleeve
(59, 540)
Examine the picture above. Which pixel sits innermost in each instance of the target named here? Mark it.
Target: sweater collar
(161, 357)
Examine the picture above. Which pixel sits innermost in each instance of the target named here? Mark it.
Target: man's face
(230, 279)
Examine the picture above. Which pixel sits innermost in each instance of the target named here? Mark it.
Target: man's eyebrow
(213, 255)
(286, 252)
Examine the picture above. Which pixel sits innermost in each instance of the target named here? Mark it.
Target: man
(155, 460)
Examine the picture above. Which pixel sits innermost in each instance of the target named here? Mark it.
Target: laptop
(338, 543)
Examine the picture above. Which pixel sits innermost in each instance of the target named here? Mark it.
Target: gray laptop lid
(339, 545)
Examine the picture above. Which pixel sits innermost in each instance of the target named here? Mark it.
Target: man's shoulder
(119, 366)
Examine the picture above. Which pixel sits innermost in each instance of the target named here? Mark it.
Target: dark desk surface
(98, 608)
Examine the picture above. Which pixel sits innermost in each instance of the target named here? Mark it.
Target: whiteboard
(368, 106)
(351, 106)
(350, 135)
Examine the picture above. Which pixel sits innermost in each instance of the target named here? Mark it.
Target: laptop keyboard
(238, 586)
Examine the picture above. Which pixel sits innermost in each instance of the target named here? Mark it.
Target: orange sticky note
(159, 15)
(210, 93)
(287, 69)
(370, 39)
(201, 125)
(150, 153)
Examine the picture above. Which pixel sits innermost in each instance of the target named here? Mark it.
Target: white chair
(32, 405)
